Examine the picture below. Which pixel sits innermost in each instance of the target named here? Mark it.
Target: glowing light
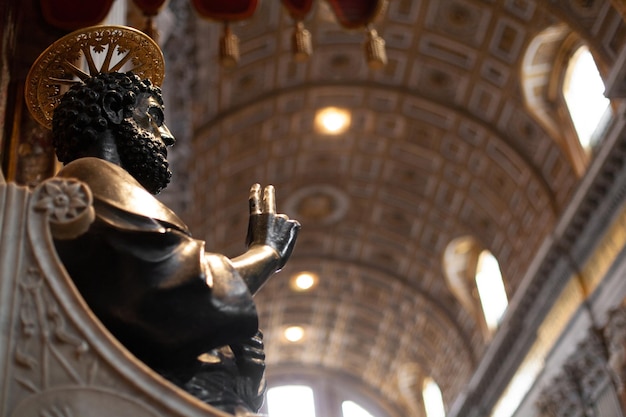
(294, 334)
(303, 281)
(352, 409)
(584, 94)
(290, 400)
(491, 289)
(433, 400)
(332, 120)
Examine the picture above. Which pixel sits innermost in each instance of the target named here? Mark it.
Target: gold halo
(118, 48)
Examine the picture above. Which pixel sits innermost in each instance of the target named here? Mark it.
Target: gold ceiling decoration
(100, 49)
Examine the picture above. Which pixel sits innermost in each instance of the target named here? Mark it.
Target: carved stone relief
(583, 379)
(615, 334)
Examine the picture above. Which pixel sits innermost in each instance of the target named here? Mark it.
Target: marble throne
(57, 359)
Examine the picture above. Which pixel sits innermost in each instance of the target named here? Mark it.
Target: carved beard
(143, 156)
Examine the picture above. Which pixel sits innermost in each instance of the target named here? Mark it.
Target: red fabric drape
(298, 9)
(353, 14)
(225, 9)
(74, 14)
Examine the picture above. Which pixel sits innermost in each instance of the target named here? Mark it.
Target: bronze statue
(187, 313)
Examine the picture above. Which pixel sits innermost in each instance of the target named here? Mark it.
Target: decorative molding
(615, 334)
(560, 399)
(580, 383)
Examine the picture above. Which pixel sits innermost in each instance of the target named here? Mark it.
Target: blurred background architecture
(462, 207)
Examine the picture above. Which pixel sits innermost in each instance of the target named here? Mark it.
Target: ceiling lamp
(227, 11)
(303, 281)
(353, 14)
(150, 8)
(294, 334)
(332, 120)
(74, 14)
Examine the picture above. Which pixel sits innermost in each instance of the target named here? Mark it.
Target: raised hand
(268, 228)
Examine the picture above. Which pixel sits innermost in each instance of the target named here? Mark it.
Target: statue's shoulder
(113, 186)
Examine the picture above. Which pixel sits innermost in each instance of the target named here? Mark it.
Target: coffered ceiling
(442, 144)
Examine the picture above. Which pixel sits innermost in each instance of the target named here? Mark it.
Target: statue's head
(105, 113)
(125, 106)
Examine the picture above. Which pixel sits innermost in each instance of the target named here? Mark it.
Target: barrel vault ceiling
(441, 145)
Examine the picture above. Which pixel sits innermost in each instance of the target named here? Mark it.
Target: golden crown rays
(99, 49)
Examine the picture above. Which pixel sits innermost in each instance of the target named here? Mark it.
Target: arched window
(459, 266)
(491, 289)
(304, 400)
(473, 276)
(352, 409)
(564, 91)
(433, 400)
(291, 400)
(583, 90)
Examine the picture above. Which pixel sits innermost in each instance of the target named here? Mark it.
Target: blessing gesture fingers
(265, 227)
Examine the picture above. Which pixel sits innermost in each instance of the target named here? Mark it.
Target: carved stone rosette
(68, 203)
(56, 358)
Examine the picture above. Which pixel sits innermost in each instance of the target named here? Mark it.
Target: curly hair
(80, 117)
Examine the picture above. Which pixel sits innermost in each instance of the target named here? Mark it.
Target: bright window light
(517, 389)
(290, 401)
(433, 400)
(332, 120)
(352, 409)
(584, 94)
(491, 289)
